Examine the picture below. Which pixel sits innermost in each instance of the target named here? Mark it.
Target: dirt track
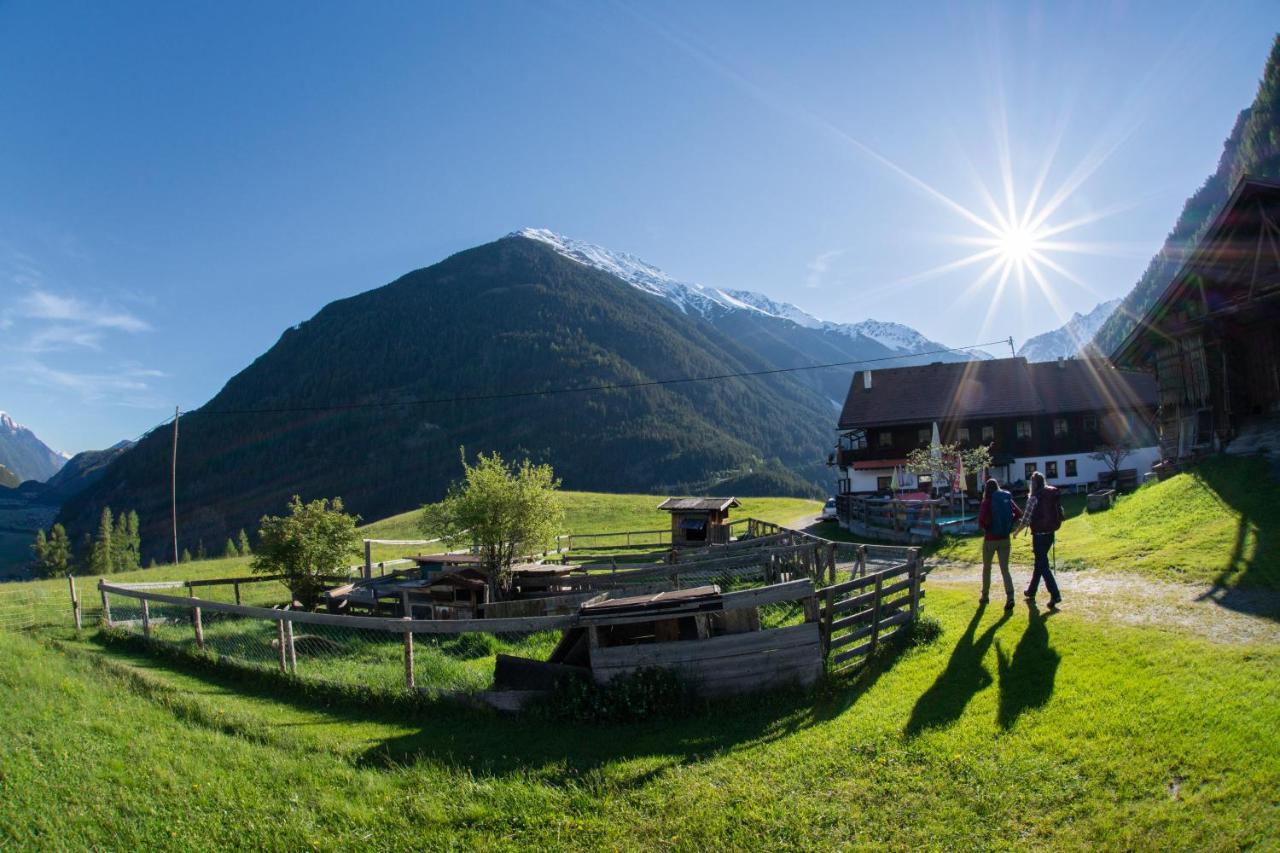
(1226, 616)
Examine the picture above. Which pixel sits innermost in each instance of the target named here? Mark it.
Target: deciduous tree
(504, 511)
(314, 540)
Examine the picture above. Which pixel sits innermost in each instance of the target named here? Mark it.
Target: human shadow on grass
(963, 678)
(1027, 676)
(486, 743)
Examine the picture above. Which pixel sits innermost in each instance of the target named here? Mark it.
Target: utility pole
(1011, 353)
(173, 484)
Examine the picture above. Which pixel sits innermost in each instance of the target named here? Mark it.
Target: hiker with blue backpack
(996, 517)
(1044, 517)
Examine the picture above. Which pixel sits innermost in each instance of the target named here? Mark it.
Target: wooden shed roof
(698, 504)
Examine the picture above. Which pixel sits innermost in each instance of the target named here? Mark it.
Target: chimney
(1062, 363)
(866, 380)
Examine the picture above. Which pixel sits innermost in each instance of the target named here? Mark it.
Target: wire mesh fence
(336, 651)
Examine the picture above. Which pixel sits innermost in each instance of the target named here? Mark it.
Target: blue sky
(181, 182)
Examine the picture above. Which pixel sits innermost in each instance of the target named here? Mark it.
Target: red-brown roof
(1003, 387)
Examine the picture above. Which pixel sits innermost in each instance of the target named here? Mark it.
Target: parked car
(829, 510)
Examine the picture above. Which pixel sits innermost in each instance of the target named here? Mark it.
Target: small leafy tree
(314, 540)
(940, 465)
(502, 510)
(242, 544)
(1113, 454)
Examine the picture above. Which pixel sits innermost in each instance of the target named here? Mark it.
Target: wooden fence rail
(862, 608)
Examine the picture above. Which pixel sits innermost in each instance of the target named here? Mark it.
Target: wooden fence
(862, 609)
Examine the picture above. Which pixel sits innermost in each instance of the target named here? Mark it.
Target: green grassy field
(1218, 524)
(1004, 732)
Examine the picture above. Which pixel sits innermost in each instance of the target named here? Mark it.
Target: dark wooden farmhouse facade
(1048, 417)
(1212, 339)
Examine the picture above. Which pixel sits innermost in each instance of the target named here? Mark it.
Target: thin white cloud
(128, 384)
(820, 266)
(43, 305)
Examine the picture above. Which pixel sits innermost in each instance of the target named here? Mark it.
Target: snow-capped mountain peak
(1067, 340)
(713, 303)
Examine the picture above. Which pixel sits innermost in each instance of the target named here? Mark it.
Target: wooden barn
(1213, 336)
(699, 521)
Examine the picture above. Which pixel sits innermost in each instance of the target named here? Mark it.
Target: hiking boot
(1053, 602)
(1026, 593)
(1008, 606)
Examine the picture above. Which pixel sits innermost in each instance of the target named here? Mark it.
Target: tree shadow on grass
(1027, 676)
(1249, 579)
(486, 743)
(963, 678)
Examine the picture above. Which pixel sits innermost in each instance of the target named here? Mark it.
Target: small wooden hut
(699, 521)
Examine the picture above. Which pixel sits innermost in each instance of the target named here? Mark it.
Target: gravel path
(1226, 616)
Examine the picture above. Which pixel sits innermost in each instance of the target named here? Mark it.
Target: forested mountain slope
(1253, 149)
(329, 410)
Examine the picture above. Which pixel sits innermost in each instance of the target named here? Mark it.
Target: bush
(645, 694)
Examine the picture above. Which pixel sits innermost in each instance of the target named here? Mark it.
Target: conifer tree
(131, 550)
(39, 554)
(243, 543)
(230, 550)
(58, 552)
(201, 554)
(101, 554)
(185, 557)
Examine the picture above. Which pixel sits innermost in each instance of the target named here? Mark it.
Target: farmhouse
(699, 521)
(1049, 417)
(1213, 336)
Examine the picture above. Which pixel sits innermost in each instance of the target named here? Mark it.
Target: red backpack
(1048, 512)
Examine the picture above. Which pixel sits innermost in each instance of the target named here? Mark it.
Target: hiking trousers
(996, 548)
(1040, 545)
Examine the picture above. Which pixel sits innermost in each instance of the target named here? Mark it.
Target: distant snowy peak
(688, 297)
(711, 303)
(1067, 340)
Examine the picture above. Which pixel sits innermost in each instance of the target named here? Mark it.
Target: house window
(1028, 470)
(1051, 470)
(1090, 423)
(1024, 429)
(1059, 427)
(924, 482)
(884, 484)
(1071, 468)
(988, 433)
(962, 435)
(886, 439)
(925, 436)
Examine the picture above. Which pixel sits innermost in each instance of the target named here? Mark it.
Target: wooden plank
(408, 659)
(293, 650)
(198, 625)
(146, 619)
(75, 600)
(775, 594)
(284, 660)
(729, 645)
(869, 597)
(743, 674)
(898, 619)
(529, 624)
(853, 636)
(875, 620)
(106, 603)
(865, 580)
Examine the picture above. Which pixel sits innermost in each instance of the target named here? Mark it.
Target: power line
(622, 386)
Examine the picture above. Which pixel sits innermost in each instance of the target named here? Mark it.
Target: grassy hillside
(1219, 523)
(1016, 731)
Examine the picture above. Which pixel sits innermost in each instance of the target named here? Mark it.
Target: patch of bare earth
(1224, 616)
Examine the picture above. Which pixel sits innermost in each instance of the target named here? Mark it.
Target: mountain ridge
(24, 454)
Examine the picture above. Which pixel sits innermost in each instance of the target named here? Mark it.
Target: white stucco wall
(1087, 470)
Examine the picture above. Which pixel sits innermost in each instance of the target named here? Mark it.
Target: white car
(829, 510)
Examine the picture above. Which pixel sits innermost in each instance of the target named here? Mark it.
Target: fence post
(146, 620)
(828, 616)
(831, 559)
(408, 658)
(198, 625)
(293, 652)
(75, 600)
(404, 604)
(106, 604)
(875, 616)
(915, 584)
(368, 559)
(236, 587)
(284, 659)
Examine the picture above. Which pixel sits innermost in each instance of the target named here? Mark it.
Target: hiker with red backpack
(1044, 516)
(996, 517)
